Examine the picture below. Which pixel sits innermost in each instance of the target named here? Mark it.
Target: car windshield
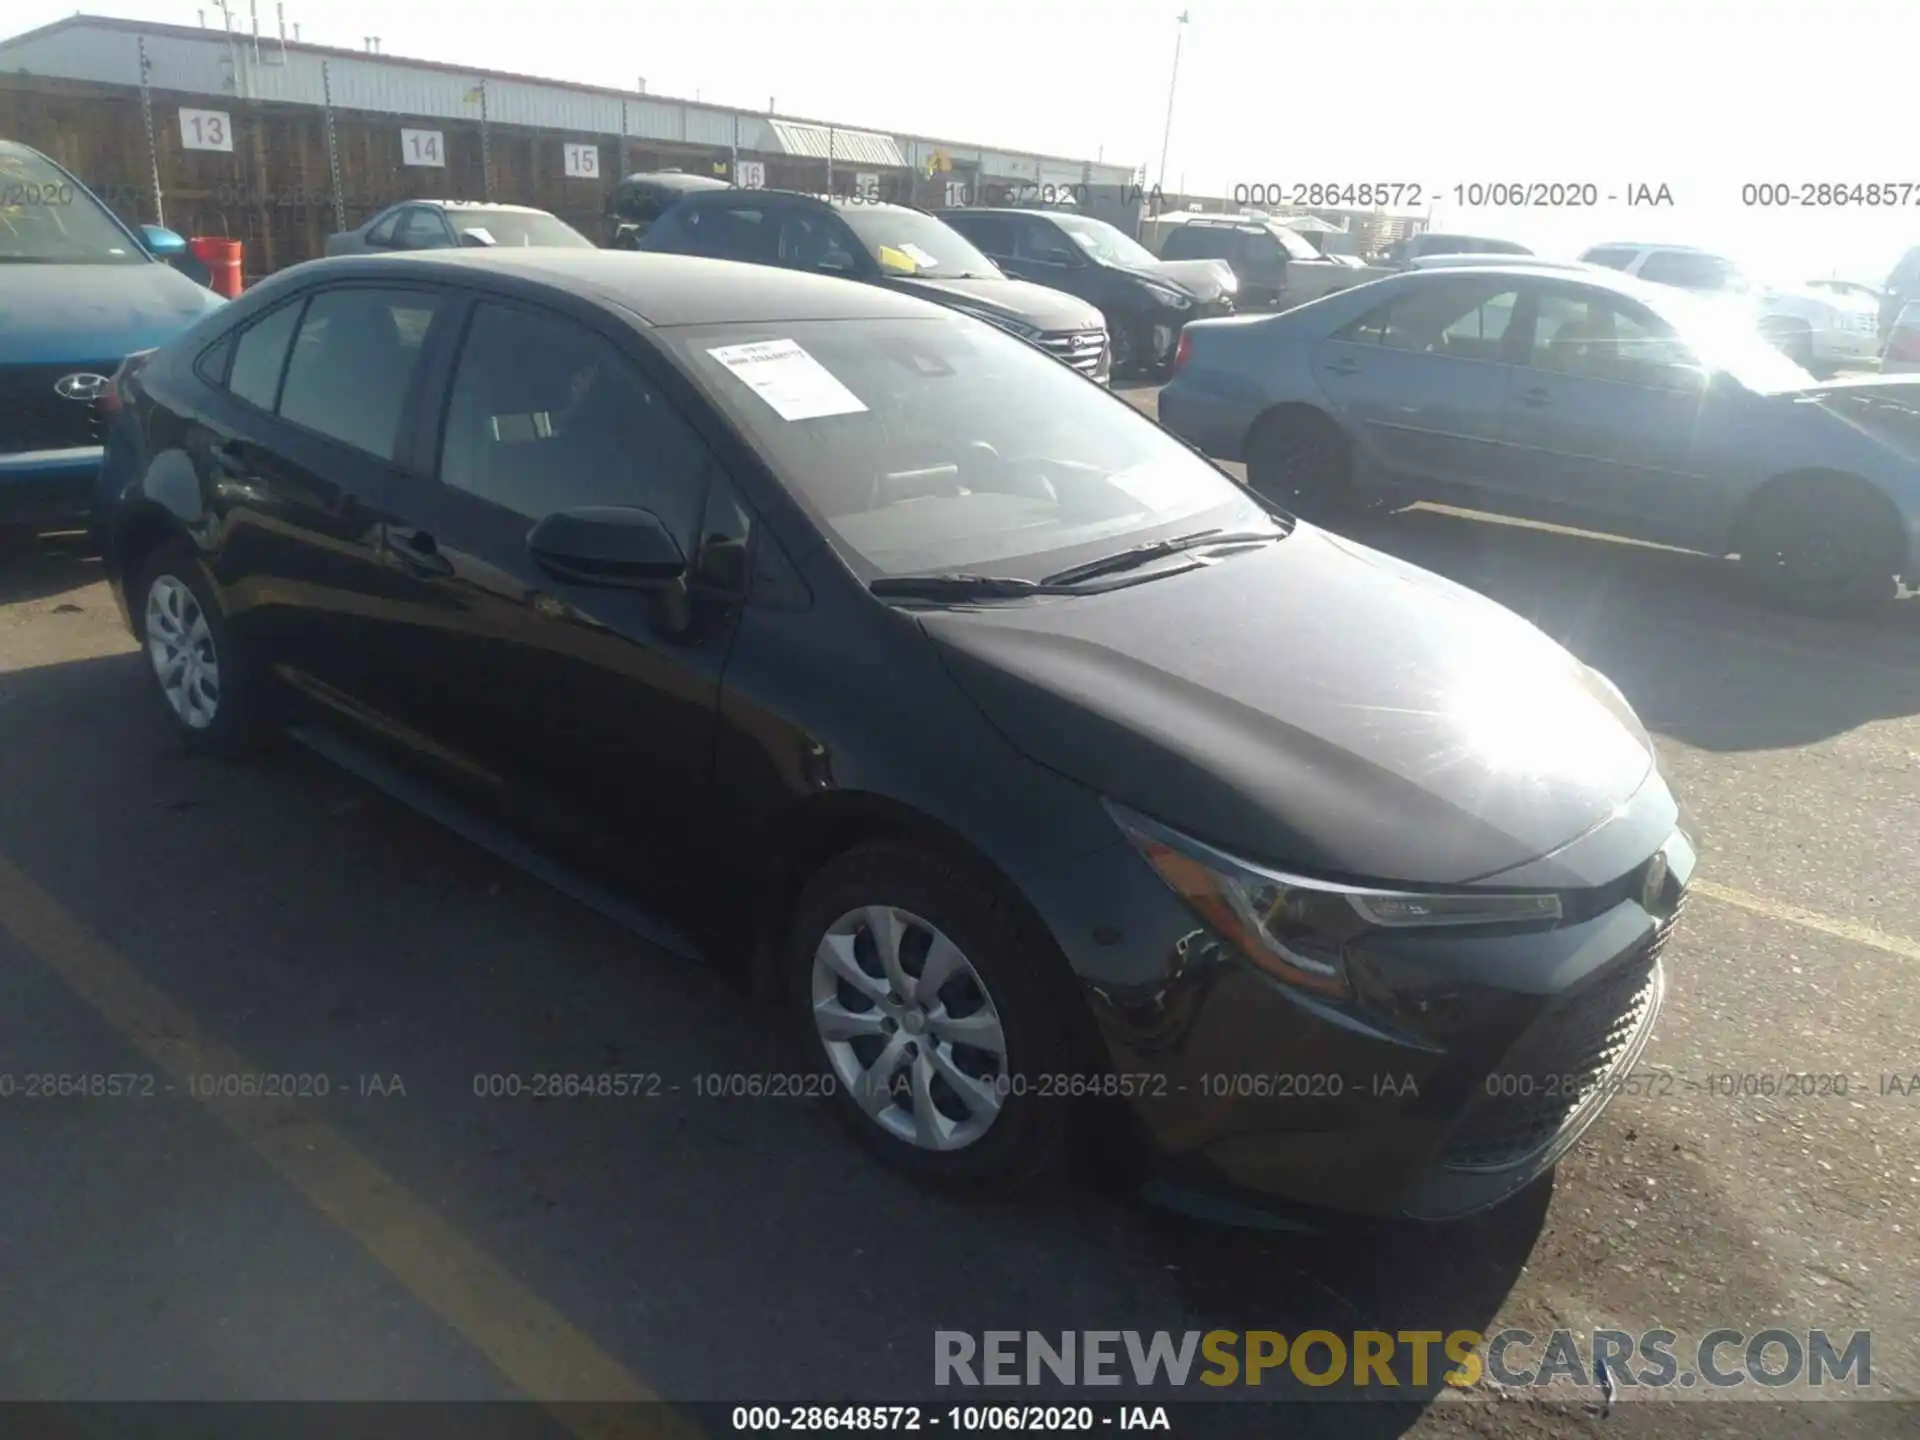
(943, 446)
(518, 228)
(906, 242)
(46, 219)
(1298, 247)
(1103, 242)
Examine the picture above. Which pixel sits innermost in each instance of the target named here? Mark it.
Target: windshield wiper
(1152, 550)
(959, 587)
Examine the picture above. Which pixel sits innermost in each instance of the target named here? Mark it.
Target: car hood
(1885, 407)
(86, 314)
(1205, 280)
(1030, 304)
(1314, 704)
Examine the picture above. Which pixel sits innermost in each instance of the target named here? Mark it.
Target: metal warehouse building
(278, 143)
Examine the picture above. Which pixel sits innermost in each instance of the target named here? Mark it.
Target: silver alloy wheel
(180, 644)
(909, 1028)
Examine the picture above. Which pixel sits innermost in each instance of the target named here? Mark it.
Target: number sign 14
(206, 130)
(423, 147)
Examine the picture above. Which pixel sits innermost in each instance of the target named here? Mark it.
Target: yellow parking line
(526, 1339)
(1809, 919)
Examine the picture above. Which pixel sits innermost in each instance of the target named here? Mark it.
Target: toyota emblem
(83, 386)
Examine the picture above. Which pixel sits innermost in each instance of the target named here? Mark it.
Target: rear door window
(354, 362)
(260, 355)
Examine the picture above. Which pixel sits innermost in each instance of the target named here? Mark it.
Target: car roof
(1653, 245)
(473, 205)
(662, 290)
(1598, 276)
(834, 202)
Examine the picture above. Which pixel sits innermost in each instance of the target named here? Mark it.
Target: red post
(222, 259)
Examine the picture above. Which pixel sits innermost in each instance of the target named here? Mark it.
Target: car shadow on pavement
(1701, 660)
(52, 565)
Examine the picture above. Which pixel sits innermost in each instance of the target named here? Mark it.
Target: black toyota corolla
(1056, 785)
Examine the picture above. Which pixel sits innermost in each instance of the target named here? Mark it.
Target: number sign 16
(206, 130)
(423, 147)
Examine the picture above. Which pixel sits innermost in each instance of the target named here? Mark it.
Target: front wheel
(918, 998)
(1822, 546)
(1299, 460)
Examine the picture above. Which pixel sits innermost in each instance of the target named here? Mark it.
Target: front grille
(1560, 1066)
(34, 417)
(1084, 350)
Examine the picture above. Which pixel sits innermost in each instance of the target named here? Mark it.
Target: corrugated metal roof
(822, 142)
(197, 60)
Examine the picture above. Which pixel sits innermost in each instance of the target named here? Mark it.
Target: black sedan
(1054, 784)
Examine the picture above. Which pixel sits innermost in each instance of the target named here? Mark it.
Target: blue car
(1576, 398)
(79, 292)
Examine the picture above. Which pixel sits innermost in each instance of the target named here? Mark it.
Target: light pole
(1166, 136)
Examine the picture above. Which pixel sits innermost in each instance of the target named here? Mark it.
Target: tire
(1822, 546)
(998, 977)
(200, 677)
(1299, 460)
(1120, 348)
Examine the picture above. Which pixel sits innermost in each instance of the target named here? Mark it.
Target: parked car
(1274, 266)
(1594, 401)
(449, 224)
(1402, 253)
(1787, 321)
(1145, 299)
(79, 292)
(1852, 288)
(968, 710)
(1902, 355)
(1902, 287)
(639, 200)
(882, 244)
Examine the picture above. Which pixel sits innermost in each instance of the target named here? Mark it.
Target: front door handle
(415, 549)
(1536, 397)
(1343, 367)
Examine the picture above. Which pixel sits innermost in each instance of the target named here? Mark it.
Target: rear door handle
(416, 550)
(1535, 398)
(1343, 367)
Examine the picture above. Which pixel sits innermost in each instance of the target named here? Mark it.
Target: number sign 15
(423, 147)
(206, 130)
(583, 161)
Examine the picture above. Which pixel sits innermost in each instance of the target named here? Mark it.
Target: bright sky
(1702, 96)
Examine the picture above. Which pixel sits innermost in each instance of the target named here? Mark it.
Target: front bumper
(48, 488)
(1464, 1068)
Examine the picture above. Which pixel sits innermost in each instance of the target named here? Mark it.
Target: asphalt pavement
(195, 931)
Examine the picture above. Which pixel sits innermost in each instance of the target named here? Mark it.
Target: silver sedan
(1582, 399)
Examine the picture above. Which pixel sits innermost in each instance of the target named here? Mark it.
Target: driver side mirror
(162, 243)
(607, 545)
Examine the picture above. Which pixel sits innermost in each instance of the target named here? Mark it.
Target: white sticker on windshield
(795, 384)
(479, 235)
(918, 256)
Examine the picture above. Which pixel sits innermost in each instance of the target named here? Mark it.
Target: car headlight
(1172, 299)
(1295, 928)
(1011, 326)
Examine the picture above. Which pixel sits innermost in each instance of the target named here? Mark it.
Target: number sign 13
(206, 130)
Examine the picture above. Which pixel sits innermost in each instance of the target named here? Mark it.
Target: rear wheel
(919, 1002)
(1822, 545)
(1299, 460)
(202, 678)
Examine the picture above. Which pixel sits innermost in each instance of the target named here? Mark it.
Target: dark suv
(893, 245)
(1146, 300)
(639, 200)
(1902, 285)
